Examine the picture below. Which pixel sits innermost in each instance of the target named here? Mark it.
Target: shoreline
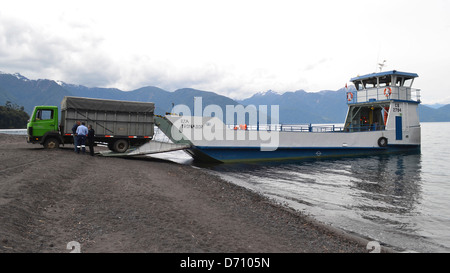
(49, 198)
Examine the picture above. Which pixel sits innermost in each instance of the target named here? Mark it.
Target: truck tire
(121, 146)
(51, 143)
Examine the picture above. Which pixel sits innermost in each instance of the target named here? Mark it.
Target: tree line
(13, 116)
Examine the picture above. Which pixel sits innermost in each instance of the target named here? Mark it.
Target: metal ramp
(152, 147)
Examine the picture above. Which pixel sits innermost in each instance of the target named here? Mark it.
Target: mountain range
(295, 107)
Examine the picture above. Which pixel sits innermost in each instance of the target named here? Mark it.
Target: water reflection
(377, 196)
(392, 183)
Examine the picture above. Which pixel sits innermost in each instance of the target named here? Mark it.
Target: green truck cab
(43, 127)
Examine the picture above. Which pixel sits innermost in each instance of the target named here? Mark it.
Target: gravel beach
(49, 198)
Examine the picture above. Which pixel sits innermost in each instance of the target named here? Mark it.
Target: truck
(119, 124)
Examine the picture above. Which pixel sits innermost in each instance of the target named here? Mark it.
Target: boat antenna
(381, 65)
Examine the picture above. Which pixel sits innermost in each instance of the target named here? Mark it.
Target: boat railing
(384, 94)
(319, 128)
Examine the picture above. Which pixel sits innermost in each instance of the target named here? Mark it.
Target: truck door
(43, 122)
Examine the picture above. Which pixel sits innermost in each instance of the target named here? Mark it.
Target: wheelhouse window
(408, 82)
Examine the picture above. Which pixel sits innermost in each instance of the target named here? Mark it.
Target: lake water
(398, 200)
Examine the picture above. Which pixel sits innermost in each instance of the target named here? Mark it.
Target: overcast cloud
(234, 48)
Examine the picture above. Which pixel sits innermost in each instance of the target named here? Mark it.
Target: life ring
(387, 92)
(382, 142)
(349, 96)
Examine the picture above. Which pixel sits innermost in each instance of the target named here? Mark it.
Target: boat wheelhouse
(379, 96)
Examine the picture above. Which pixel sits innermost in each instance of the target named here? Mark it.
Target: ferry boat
(381, 118)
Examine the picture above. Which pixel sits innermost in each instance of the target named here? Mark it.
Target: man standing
(82, 132)
(75, 138)
(90, 138)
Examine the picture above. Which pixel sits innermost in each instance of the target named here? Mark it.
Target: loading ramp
(152, 147)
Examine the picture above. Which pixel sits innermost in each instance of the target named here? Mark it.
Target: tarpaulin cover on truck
(106, 105)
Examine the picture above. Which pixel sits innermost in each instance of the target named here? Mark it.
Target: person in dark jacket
(75, 138)
(90, 138)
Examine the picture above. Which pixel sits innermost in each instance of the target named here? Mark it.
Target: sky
(233, 48)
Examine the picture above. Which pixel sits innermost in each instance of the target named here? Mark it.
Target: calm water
(399, 200)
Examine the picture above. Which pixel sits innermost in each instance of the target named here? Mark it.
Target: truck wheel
(120, 146)
(51, 143)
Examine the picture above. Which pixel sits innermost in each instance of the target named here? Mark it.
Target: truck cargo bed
(109, 118)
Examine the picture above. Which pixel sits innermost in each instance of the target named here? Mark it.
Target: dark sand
(49, 198)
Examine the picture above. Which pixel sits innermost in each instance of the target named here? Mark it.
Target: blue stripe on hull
(240, 154)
